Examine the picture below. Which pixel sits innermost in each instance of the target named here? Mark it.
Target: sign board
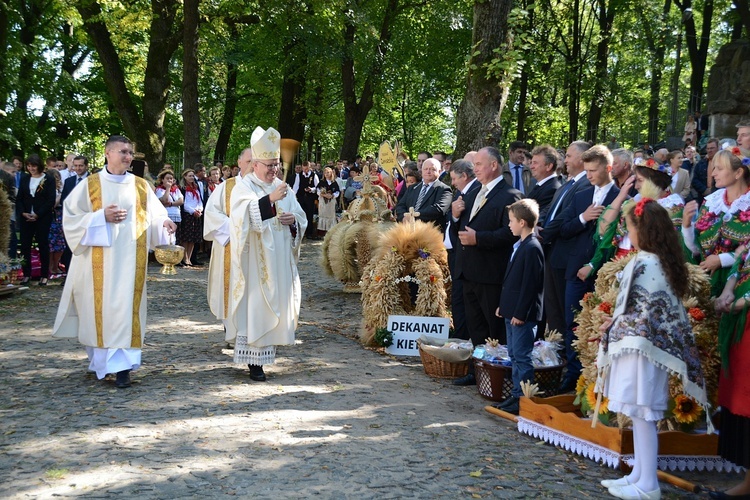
(407, 330)
(386, 157)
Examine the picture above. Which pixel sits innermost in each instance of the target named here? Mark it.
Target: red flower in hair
(639, 206)
(737, 151)
(650, 162)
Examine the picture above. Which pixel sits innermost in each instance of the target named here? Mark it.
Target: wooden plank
(682, 443)
(620, 441)
(501, 413)
(555, 413)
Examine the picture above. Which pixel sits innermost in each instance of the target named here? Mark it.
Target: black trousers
(35, 231)
(307, 202)
(480, 302)
(554, 298)
(457, 302)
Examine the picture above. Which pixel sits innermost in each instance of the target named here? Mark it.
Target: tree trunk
(355, 112)
(573, 63)
(478, 119)
(148, 130)
(605, 17)
(191, 123)
(523, 91)
(227, 119)
(656, 39)
(698, 52)
(743, 9)
(31, 15)
(293, 110)
(4, 30)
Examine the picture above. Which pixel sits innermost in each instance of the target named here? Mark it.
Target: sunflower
(581, 384)
(591, 399)
(686, 409)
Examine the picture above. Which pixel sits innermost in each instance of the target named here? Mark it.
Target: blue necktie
(517, 180)
(564, 191)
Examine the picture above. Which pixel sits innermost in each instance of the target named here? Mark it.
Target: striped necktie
(422, 194)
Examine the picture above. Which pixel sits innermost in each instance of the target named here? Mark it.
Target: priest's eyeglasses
(270, 167)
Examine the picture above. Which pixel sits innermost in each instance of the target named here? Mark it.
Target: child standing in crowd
(521, 298)
(190, 228)
(649, 337)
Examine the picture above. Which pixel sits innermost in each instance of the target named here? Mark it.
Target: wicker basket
(495, 382)
(435, 367)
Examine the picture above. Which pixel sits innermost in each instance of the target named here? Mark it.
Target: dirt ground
(334, 419)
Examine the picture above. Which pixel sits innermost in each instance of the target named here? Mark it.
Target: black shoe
(196, 262)
(256, 373)
(513, 408)
(724, 496)
(510, 401)
(123, 379)
(469, 379)
(510, 405)
(25, 281)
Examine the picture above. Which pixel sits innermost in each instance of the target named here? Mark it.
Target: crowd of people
(525, 240)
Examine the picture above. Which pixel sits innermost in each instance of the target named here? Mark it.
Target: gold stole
(227, 249)
(141, 258)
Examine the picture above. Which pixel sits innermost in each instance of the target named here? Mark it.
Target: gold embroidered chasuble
(264, 285)
(104, 299)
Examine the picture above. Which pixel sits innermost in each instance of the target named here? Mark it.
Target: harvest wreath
(410, 253)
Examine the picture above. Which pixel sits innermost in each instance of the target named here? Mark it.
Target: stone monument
(728, 96)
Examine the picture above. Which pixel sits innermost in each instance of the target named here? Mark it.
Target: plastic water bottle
(479, 352)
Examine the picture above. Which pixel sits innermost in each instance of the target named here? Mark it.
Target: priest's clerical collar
(106, 167)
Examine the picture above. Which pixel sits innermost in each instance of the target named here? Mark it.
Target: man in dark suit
(463, 180)
(431, 198)
(543, 167)
(579, 223)
(556, 251)
(480, 223)
(80, 172)
(515, 173)
(305, 185)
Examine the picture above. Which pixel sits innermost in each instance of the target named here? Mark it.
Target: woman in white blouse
(190, 227)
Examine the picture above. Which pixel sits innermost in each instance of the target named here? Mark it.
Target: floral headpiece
(664, 168)
(736, 151)
(640, 206)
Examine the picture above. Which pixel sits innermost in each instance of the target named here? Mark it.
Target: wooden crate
(559, 413)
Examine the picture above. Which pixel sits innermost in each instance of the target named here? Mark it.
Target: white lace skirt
(249, 355)
(636, 387)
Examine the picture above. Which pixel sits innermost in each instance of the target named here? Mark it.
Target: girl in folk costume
(649, 338)
(723, 221)
(734, 384)
(328, 193)
(190, 228)
(169, 194)
(651, 181)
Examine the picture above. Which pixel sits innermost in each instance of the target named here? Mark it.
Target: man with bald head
(430, 198)
(485, 243)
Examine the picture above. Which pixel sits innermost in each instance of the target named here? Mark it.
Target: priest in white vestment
(110, 222)
(266, 228)
(216, 229)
